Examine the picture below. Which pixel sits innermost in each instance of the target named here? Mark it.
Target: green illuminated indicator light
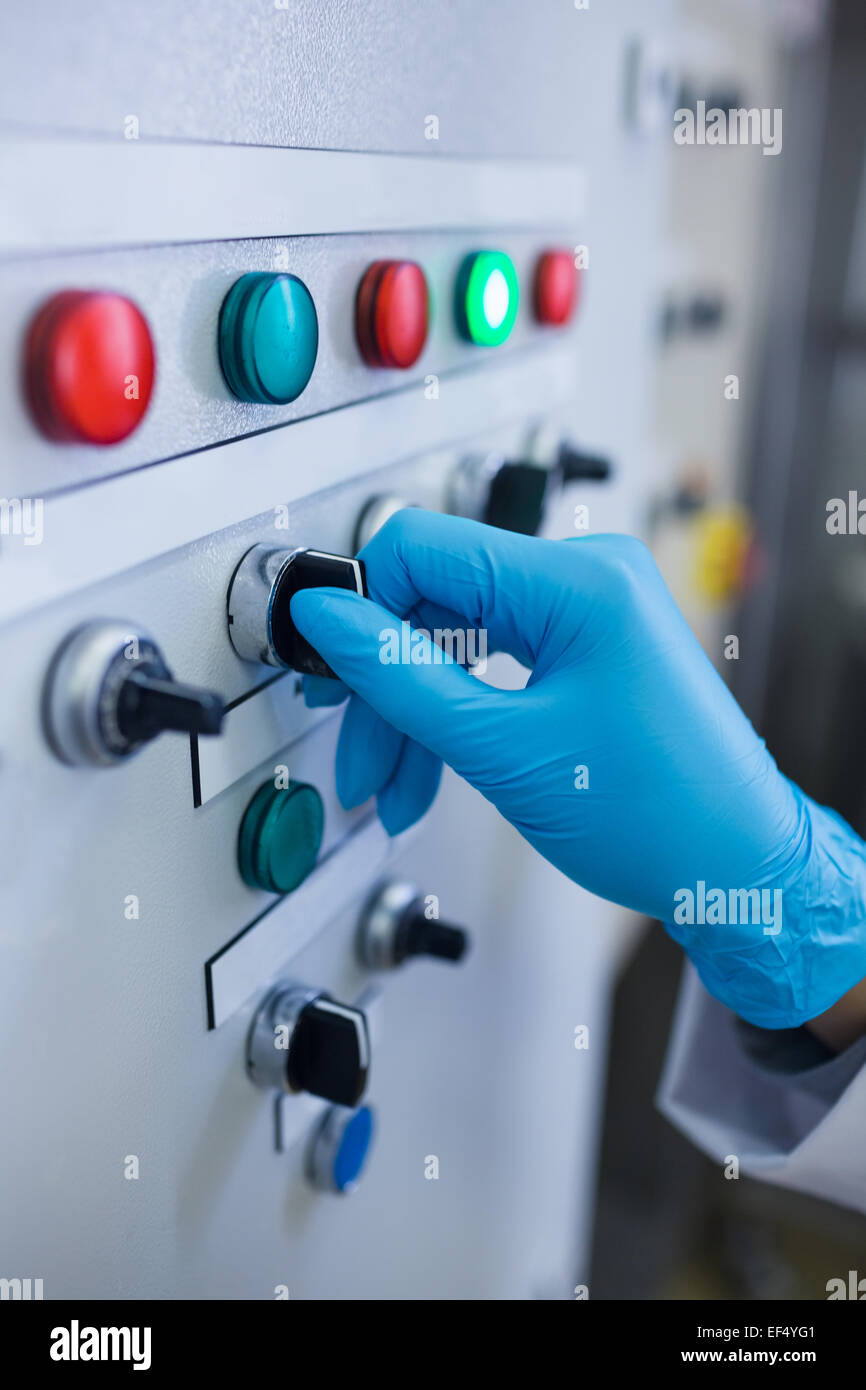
(487, 297)
(280, 836)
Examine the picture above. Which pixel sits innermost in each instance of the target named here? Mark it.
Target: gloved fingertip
(411, 791)
(368, 751)
(312, 607)
(350, 793)
(322, 691)
(349, 800)
(395, 816)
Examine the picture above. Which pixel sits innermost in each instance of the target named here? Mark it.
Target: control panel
(230, 354)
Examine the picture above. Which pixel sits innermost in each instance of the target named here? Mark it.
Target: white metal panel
(103, 1018)
(133, 193)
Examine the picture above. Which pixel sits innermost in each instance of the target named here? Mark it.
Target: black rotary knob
(520, 489)
(395, 926)
(260, 596)
(515, 501)
(303, 1040)
(329, 1054)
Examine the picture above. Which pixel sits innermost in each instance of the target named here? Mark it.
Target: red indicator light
(556, 287)
(392, 310)
(89, 367)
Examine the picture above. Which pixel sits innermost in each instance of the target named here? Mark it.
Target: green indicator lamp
(268, 338)
(280, 836)
(487, 297)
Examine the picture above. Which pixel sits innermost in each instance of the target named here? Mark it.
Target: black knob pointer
(148, 705)
(329, 1052)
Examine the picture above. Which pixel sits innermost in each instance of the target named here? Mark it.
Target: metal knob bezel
(81, 688)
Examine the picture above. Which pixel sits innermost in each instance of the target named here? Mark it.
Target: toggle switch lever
(394, 926)
(422, 938)
(575, 465)
(147, 706)
(109, 691)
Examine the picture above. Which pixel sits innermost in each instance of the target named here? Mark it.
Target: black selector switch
(329, 1052)
(302, 1040)
(513, 493)
(148, 705)
(259, 603)
(515, 500)
(575, 465)
(109, 691)
(395, 926)
(499, 491)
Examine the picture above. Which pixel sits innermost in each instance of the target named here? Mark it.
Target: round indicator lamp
(556, 288)
(268, 338)
(340, 1148)
(89, 367)
(392, 310)
(280, 836)
(487, 297)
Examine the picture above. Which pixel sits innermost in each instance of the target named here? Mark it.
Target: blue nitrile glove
(625, 760)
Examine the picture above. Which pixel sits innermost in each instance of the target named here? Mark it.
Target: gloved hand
(625, 760)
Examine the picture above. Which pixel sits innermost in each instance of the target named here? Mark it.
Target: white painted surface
(256, 957)
(132, 193)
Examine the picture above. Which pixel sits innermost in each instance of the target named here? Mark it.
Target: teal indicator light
(487, 297)
(268, 337)
(280, 836)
